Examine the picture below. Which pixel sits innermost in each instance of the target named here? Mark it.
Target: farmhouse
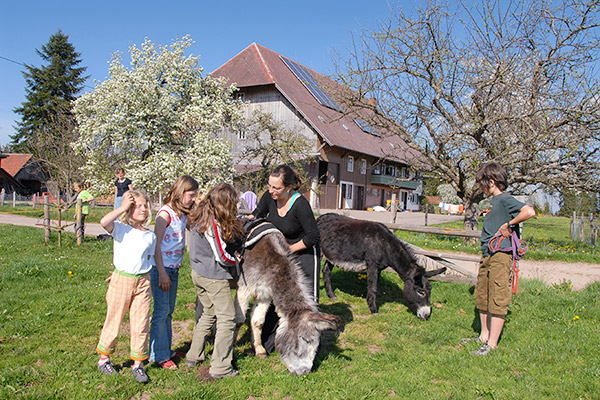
(356, 166)
(21, 174)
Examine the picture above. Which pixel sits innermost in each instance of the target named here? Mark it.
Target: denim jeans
(161, 333)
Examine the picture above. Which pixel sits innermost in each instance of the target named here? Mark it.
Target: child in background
(170, 233)
(493, 288)
(212, 223)
(129, 287)
(122, 185)
(85, 197)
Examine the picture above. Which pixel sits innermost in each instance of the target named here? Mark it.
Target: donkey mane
(358, 245)
(271, 273)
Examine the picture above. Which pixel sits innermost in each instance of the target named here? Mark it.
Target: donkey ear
(323, 321)
(435, 272)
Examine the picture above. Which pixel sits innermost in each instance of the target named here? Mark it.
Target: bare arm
(523, 215)
(108, 220)
(162, 221)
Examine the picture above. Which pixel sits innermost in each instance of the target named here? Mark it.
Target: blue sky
(307, 31)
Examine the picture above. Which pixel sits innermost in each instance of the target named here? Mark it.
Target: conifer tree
(47, 126)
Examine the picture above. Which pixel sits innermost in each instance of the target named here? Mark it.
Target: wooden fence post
(59, 221)
(2, 193)
(46, 218)
(79, 223)
(393, 209)
(33, 201)
(593, 230)
(426, 213)
(14, 199)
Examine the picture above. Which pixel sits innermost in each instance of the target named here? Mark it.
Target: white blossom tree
(468, 82)
(158, 119)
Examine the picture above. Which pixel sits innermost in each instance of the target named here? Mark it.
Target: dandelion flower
(70, 273)
(575, 318)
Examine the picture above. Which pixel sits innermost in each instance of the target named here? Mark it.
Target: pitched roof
(9, 178)
(257, 65)
(14, 162)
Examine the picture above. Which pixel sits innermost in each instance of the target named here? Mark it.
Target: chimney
(373, 101)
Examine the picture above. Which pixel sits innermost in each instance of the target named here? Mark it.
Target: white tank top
(173, 242)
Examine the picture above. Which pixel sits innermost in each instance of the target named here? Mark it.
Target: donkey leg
(242, 300)
(372, 280)
(327, 280)
(257, 320)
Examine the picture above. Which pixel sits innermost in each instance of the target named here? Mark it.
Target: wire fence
(584, 229)
(15, 199)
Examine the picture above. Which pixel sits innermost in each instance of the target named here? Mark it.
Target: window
(389, 170)
(239, 96)
(241, 134)
(350, 164)
(363, 166)
(377, 170)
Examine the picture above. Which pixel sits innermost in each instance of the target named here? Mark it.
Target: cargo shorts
(493, 289)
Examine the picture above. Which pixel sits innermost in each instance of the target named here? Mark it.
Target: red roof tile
(14, 162)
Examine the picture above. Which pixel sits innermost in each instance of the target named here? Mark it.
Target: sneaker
(233, 372)
(475, 339)
(106, 368)
(169, 364)
(483, 350)
(140, 375)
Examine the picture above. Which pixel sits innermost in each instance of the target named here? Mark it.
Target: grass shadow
(350, 283)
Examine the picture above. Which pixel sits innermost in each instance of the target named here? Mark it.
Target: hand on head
(128, 200)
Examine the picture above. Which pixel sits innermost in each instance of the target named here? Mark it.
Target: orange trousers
(127, 293)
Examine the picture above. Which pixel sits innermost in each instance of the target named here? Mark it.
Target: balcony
(392, 181)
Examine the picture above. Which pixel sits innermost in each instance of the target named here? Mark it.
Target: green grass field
(548, 239)
(52, 310)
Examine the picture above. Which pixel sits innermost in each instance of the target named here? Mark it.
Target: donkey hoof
(261, 355)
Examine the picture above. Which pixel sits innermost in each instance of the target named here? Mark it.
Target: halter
(518, 248)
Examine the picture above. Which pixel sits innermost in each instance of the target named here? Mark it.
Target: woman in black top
(122, 185)
(290, 212)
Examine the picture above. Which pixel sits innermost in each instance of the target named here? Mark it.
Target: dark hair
(489, 171)
(80, 182)
(220, 204)
(119, 169)
(288, 176)
(183, 184)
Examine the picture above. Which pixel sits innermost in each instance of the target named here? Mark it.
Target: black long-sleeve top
(298, 224)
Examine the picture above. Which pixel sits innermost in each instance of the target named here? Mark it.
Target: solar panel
(308, 80)
(366, 127)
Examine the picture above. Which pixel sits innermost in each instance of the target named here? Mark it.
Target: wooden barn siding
(269, 100)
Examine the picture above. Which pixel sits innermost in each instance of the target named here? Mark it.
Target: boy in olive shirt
(493, 289)
(85, 197)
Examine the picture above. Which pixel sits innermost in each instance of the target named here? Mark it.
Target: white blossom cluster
(158, 119)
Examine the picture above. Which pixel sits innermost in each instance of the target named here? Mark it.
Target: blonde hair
(220, 204)
(184, 183)
(126, 217)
